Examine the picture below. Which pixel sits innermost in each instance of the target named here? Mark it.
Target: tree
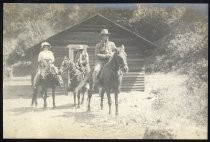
(155, 22)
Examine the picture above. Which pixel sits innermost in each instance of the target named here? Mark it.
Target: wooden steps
(132, 81)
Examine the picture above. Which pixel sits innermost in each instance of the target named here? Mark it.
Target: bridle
(54, 73)
(118, 67)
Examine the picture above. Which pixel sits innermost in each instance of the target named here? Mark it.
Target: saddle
(48, 69)
(101, 71)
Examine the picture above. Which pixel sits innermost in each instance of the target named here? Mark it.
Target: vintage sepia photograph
(105, 71)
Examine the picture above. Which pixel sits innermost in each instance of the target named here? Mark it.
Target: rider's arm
(97, 53)
(113, 47)
(52, 57)
(40, 57)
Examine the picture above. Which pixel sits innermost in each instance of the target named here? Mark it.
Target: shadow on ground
(23, 110)
(79, 116)
(65, 106)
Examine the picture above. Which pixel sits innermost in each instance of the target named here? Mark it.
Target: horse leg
(45, 97)
(78, 99)
(75, 99)
(90, 91)
(89, 98)
(33, 98)
(83, 94)
(109, 100)
(53, 96)
(42, 93)
(101, 92)
(116, 102)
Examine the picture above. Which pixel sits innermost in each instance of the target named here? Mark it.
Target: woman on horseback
(45, 62)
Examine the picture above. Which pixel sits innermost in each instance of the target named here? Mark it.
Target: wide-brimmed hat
(45, 44)
(105, 32)
(81, 47)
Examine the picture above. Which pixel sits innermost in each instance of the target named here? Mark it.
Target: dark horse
(52, 80)
(110, 78)
(76, 76)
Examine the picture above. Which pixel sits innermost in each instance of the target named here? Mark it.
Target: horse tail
(84, 81)
(32, 78)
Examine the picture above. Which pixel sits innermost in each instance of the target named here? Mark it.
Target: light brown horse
(110, 78)
(76, 76)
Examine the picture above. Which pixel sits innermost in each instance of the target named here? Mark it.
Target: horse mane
(73, 65)
(116, 51)
(110, 59)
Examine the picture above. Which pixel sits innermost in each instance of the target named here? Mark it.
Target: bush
(185, 51)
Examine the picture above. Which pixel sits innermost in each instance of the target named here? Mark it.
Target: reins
(115, 66)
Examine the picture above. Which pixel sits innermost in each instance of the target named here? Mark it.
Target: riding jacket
(103, 50)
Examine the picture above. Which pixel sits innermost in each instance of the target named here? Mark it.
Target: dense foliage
(185, 51)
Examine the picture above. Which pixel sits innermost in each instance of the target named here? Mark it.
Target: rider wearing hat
(45, 60)
(103, 52)
(82, 60)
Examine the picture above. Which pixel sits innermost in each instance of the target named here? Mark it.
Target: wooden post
(11, 73)
(71, 56)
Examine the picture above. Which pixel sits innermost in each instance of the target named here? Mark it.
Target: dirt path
(136, 120)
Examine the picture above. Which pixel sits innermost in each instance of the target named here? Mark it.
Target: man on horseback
(103, 52)
(45, 63)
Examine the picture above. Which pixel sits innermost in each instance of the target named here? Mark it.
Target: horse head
(64, 65)
(121, 58)
(67, 64)
(56, 74)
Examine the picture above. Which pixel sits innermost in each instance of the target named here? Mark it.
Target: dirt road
(165, 110)
(136, 120)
